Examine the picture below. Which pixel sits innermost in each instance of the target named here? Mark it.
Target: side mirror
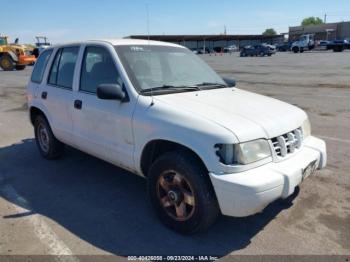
(230, 82)
(110, 92)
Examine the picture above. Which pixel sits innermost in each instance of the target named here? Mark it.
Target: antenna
(148, 37)
(147, 12)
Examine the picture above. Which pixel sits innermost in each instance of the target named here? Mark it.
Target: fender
(13, 56)
(39, 106)
(203, 146)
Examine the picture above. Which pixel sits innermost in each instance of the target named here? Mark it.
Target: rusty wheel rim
(5, 63)
(176, 195)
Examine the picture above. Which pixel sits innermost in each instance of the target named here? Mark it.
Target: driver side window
(97, 68)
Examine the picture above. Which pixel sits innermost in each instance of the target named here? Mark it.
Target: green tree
(269, 31)
(312, 21)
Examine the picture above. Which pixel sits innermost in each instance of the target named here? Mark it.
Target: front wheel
(7, 63)
(181, 192)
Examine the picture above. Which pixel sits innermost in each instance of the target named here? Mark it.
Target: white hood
(248, 115)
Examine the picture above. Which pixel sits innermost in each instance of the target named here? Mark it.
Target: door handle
(44, 95)
(78, 104)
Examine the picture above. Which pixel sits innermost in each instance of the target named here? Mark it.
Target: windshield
(3, 41)
(151, 67)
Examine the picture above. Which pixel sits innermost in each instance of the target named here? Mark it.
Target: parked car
(283, 47)
(194, 50)
(230, 49)
(257, 50)
(218, 49)
(271, 47)
(206, 50)
(205, 147)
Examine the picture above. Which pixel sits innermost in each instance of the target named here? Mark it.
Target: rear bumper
(249, 192)
(26, 59)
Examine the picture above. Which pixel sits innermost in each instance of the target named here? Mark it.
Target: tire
(7, 63)
(301, 50)
(295, 49)
(49, 147)
(35, 52)
(262, 54)
(338, 49)
(20, 67)
(170, 177)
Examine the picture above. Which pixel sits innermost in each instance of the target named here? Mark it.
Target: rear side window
(62, 69)
(40, 65)
(97, 68)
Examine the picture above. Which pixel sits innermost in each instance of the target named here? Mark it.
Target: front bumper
(26, 59)
(249, 192)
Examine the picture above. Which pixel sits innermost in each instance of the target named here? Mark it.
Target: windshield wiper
(210, 84)
(170, 87)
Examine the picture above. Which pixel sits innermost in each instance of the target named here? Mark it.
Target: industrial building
(213, 42)
(328, 31)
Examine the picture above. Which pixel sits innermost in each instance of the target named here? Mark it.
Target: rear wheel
(20, 67)
(49, 147)
(181, 192)
(7, 63)
(338, 49)
(35, 52)
(262, 53)
(295, 49)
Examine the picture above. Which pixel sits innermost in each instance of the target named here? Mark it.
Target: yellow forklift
(14, 56)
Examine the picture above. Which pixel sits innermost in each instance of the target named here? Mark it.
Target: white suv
(159, 111)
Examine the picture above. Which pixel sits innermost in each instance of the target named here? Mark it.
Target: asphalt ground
(80, 205)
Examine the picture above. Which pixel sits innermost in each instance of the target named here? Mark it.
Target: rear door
(102, 127)
(57, 93)
(36, 80)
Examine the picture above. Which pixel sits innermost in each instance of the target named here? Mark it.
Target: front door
(102, 127)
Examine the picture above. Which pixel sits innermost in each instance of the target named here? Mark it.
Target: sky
(69, 20)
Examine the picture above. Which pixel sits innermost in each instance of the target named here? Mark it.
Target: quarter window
(97, 68)
(62, 69)
(40, 65)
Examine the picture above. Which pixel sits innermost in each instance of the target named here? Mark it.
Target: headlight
(243, 153)
(306, 127)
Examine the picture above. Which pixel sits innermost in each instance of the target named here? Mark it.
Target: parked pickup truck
(307, 43)
(156, 109)
(338, 45)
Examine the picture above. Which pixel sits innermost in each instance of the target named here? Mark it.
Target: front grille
(287, 143)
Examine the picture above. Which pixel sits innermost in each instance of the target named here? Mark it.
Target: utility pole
(147, 13)
(325, 18)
